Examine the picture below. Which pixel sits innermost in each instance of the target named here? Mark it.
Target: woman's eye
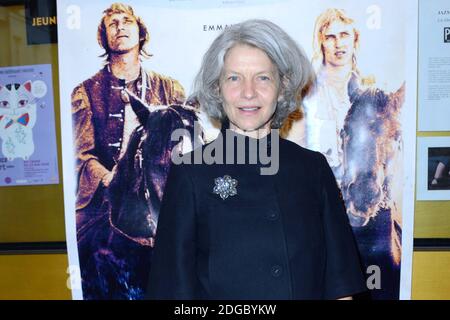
(233, 78)
(264, 78)
(4, 104)
(22, 103)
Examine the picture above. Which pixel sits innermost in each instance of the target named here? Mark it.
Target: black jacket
(282, 236)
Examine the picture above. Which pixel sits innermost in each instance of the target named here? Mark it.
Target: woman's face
(249, 87)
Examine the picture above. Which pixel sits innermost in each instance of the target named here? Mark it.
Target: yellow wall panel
(30, 213)
(431, 275)
(36, 276)
(432, 219)
(43, 276)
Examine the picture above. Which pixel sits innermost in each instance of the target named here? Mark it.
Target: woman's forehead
(247, 56)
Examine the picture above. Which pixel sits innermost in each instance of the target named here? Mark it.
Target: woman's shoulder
(190, 163)
(297, 152)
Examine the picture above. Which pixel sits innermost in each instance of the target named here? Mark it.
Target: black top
(282, 236)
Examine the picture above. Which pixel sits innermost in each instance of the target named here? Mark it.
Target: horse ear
(353, 86)
(140, 108)
(401, 93)
(398, 97)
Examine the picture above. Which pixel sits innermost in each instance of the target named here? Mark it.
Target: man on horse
(343, 111)
(103, 122)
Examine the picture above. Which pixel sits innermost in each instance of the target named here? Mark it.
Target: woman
(229, 231)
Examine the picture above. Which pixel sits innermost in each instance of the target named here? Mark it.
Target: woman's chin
(249, 126)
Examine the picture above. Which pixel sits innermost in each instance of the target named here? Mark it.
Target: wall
(36, 213)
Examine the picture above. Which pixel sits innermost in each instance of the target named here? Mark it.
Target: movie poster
(28, 153)
(371, 49)
(434, 66)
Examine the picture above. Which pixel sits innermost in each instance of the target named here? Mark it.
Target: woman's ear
(284, 81)
(280, 97)
(217, 90)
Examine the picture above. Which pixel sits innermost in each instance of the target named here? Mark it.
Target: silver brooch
(225, 187)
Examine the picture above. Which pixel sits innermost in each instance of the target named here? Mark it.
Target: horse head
(136, 191)
(370, 127)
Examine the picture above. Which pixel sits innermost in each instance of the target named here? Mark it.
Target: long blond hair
(323, 22)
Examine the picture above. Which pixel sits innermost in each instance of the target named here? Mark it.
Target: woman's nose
(249, 89)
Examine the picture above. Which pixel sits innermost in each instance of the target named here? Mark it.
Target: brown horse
(372, 145)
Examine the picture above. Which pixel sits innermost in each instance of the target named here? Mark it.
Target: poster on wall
(433, 168)
(40, 19)
(28, 154)
(367, 43)
(434, 65)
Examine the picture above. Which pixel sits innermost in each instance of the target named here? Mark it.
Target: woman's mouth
(249, 109)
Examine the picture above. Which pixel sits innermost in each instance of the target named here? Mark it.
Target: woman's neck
(255, 134)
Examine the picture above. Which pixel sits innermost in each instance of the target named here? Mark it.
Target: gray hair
(294, 68)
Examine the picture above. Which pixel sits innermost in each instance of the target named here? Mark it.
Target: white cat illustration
(17, 119)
